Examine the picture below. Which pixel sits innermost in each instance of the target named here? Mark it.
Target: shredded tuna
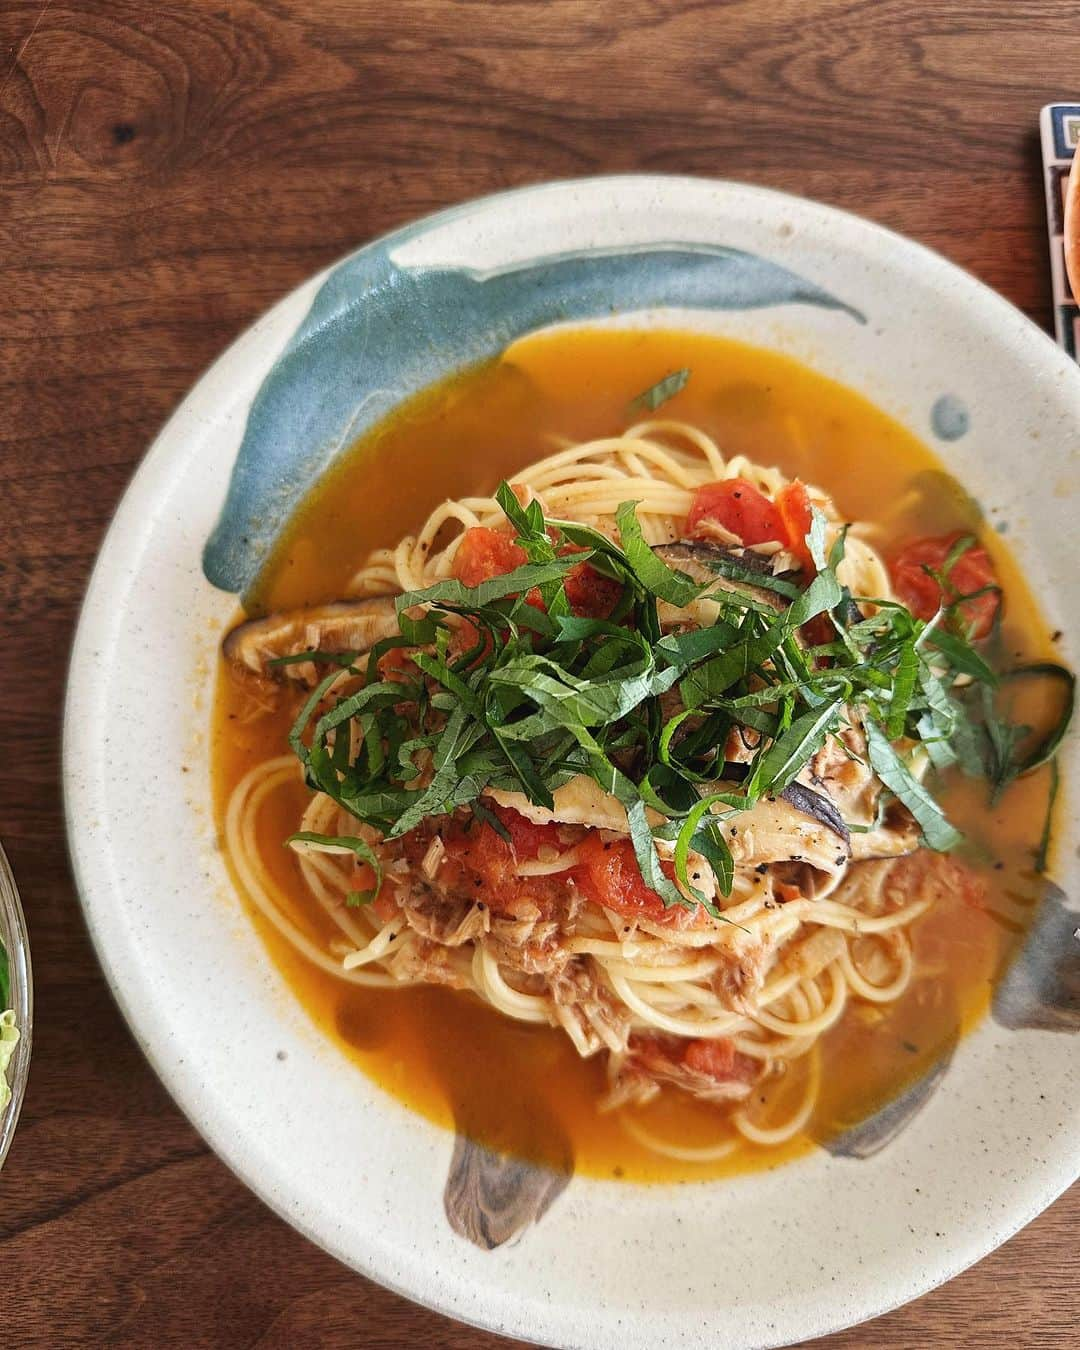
(592, 1018)
(710, 1070)
(427, 962)
(532, 945)
(737, 980)
(449, 922)
(882, 886)
(433, 857)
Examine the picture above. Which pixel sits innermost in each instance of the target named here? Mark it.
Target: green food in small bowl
(15, 1006)
(9, 1031)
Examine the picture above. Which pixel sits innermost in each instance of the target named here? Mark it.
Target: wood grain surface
(169, 170)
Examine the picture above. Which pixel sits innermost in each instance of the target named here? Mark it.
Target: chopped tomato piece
(483, 860)
(608, 874)
(486, 864)
(479, 864)
(739, 506)
(392, 664)
(742, 508)
(468, 637)
(484, 553)
(819, 632)
(793, 503)
(526, 837)
(590, 594)
(971, 572)
(717, 1058)
(667, 1057)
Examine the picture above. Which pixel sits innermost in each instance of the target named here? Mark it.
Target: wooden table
(166, 172)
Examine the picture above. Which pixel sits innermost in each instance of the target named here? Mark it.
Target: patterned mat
(1059, 126)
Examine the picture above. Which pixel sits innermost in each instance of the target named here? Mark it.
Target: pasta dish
(645, 747)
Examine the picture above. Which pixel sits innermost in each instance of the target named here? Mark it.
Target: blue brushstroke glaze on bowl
(378, 333)
(1041, 991)
(492, 1198)
(950, 418)
(870, 1136)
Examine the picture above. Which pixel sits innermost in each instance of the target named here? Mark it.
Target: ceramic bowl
(974, 1153)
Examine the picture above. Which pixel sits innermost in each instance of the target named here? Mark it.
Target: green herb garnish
(9, 1032)
(1042, 852)
(650, 399)
(544, 695)
(363, 851)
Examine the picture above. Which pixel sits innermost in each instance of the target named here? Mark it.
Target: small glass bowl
(17, 945)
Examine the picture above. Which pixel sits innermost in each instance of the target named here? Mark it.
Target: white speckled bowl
(760, 1260)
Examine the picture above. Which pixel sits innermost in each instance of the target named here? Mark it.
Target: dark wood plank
(167, 171)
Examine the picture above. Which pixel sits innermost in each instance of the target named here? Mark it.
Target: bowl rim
(16, 940)
(74, 794)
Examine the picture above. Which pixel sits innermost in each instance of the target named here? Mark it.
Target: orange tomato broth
(520, 1088)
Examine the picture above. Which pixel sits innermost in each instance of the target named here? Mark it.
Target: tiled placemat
(1059, 125)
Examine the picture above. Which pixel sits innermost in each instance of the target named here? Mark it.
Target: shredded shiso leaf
(545, 695)
(650, 399)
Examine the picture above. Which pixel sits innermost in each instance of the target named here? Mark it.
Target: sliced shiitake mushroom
(341, 626)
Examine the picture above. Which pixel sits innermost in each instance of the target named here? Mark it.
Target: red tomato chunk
(483, 554)
(590, 594)
(481, 864)
(794, 506)
(526, 837)
(608, 874)
(971, 572)
(739, 506)
(717, 1058)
